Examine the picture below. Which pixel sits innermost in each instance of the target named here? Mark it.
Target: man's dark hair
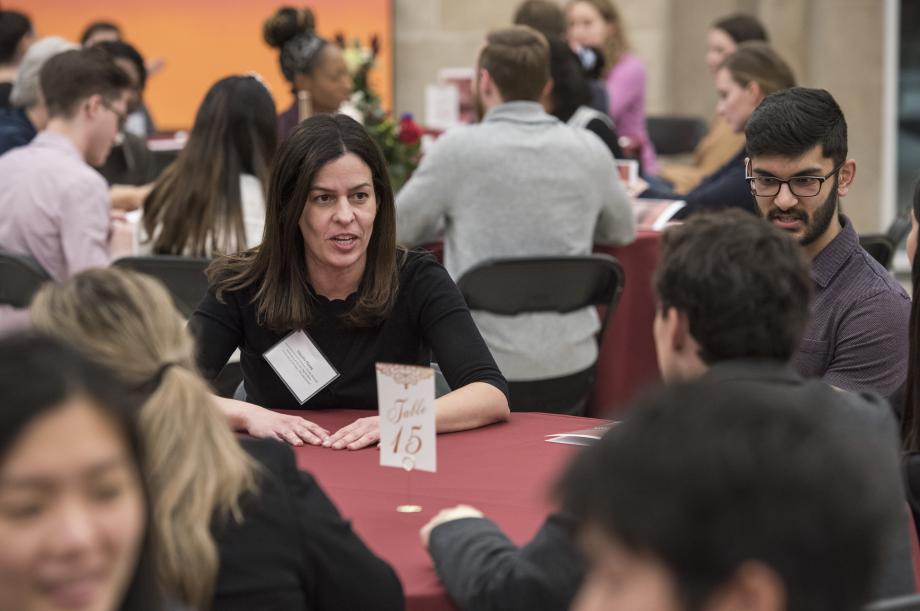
(791, 122)
(119, 49)
(545, 16)
(741, 27)
(99, 26)
(744, 285)
(13, 26)
(72, 76)
(704, 478)
(517, 59)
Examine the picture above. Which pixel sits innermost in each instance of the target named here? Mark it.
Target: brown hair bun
(286, 23)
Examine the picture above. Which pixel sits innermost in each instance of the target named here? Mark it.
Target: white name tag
(300, 365)
(405, 398)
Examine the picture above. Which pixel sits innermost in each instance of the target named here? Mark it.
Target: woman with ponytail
(238, 526)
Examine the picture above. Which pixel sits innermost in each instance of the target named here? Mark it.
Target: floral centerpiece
(400, 141)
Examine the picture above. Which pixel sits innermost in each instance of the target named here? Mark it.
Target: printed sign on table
(405, 398)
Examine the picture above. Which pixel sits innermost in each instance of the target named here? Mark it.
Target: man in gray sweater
(520, 183)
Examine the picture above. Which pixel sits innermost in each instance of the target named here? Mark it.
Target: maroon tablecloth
(627, 361)
(505, 470)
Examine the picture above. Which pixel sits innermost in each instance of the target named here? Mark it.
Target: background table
(506, 470)
(627, 362)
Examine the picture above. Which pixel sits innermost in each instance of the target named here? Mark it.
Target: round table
(506, 470)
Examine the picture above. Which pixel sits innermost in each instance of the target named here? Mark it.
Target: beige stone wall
(835, 44)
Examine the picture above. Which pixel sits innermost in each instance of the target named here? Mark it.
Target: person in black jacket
(238, 527)
(745, 78)
(734, 297)
(712, 497)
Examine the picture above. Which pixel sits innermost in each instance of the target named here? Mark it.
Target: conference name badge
(405, 398)
(300, 365)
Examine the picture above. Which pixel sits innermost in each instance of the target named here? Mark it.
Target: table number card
(405, 397)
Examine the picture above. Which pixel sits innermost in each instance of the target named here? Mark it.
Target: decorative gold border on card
(407, 375)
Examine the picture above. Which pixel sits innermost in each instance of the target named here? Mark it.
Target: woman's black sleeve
(450, 332)
(218, 331)
(345, 574)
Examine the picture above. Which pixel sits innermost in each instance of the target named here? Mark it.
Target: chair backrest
(20, 277)
(675, 135)
(879, 246)
(183, 277)
(544, 284)
(899, 228)
(901, 603)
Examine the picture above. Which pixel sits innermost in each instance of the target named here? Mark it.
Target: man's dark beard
(821, 220)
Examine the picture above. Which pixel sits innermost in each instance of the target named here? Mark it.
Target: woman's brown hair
(617, 43)
(757, 62)
(195, 208)
(277, 269)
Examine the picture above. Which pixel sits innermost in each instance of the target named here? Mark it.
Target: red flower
(409, 132)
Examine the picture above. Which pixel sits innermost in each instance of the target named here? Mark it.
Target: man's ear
(547, 89)
(483, 81)
(92, 105)
(846, 176)
(680, 326)
(753, 587)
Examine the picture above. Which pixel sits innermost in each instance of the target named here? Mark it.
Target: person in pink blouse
(597, 23)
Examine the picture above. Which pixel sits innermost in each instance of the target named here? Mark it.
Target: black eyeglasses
(122, 116)
(800, 186)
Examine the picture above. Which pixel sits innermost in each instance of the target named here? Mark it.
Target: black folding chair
(675, 135)
(546, 284)
(183, 277)
(899, 228)
(879, 247)
(20, 277)
(901, 603)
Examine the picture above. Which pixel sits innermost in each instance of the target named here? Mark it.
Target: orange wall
(204, 40)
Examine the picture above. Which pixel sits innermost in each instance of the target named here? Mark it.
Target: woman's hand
(260, 422)
(359, 434)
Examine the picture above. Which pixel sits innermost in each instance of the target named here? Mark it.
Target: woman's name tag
(300, 365)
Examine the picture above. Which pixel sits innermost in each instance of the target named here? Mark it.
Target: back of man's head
(716, 485)
(73, 76)
(791, 122)
(517, 60)
(545, 16)
(744, 286)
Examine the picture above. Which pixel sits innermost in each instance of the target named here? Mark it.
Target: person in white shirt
(211, 199)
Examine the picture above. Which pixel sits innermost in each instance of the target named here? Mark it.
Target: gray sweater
(521, 183)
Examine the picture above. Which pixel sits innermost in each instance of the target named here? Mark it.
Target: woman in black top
(329, 266)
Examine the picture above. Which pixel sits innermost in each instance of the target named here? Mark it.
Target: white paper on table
(405, 398)
(300, 365)
(442, 106)
(583, 437)
(628, 169)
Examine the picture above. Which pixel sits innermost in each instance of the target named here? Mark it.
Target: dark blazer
(724, 188)
(293, 551)
(483, 570)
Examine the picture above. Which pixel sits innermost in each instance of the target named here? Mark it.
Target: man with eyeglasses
(798, 170)
(55, 206)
